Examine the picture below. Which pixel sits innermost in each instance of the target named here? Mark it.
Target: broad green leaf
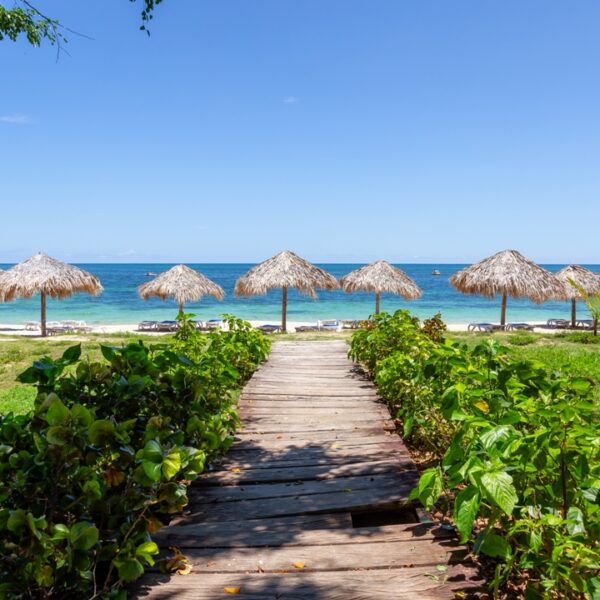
(101, 431)
(153, 452)
(408, 425)
(171, 465)
(72, 354)
(581, 386)
(83, 535)
(129, 569)
(430, 486)
(146, 551)
(466, 507)
(60, 532)
(496, 546)
(57, 413)
(81, 415)
(17, 520)
(58, 435)
(108, 352)
(490, 438)
(499, 489)
(575, 521)
(152, 470)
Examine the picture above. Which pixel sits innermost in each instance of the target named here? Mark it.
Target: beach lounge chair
(147, 326)
(269, 328)
(350, 324)
(213, 323)
(32, 326)
(167, 326)
(329, 325)
(488, 327)
(56, 327)
(558, 323)
(519, 327)
(584, 323)
(83, 327)
(304, 328)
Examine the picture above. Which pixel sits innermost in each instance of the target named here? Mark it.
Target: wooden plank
(294, 531)
(380, 498)
(315, 438)
(202, 493)
(369, 554)
(303, 473)
(305, 457)
(315, 435)
(422, 583)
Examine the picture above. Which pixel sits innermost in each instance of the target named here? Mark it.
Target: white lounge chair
(32, 326)
(329, 325)
(558, 323)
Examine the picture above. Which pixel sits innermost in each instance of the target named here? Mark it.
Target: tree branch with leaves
(24, 19)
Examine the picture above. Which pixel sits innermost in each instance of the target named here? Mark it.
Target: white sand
(19, 330)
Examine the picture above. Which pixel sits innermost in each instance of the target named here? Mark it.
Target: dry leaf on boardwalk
(298, 565)
(232, 590)
(178, 563)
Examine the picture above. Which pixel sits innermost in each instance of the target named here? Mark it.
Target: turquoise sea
(119, 303)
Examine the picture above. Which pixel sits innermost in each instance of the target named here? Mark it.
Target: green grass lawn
(576, 353)
(18, 354)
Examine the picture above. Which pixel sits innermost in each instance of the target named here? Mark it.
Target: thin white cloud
(290, 100)
(127, 253)
(15, 119)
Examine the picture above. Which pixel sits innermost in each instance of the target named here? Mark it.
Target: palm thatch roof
(42, 274)
(587, 279)
(284, 270)
(182, 284)
(381, 277)
(509, 273)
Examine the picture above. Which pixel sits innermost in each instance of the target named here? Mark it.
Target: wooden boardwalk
(311, 502)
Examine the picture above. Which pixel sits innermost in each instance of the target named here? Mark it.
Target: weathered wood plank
(294, 531)
(263, 474)
(204, 493)
(369, 554)
(391, 495)
(424, 583)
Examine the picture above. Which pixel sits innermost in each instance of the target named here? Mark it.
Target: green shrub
(517, 446)
(105, 458)
(521, 338)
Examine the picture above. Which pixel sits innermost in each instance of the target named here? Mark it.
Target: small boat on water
(435, 272)
(150, 274)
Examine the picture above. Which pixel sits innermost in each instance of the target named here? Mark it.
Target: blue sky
(416, 131)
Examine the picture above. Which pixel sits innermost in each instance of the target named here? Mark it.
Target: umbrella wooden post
(180, 308)
(503, 311)
(377, 302)
(43, 314)
(284, 309)
(573, 313)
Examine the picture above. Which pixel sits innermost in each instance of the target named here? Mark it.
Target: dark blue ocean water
(119, 303)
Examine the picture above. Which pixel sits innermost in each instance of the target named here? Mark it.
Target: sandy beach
(10, 329)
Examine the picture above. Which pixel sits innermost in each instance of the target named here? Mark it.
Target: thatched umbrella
(583, 277)
(46, 276)
(381, 277)
(509, 273)
(182, 284)
(284, 270)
